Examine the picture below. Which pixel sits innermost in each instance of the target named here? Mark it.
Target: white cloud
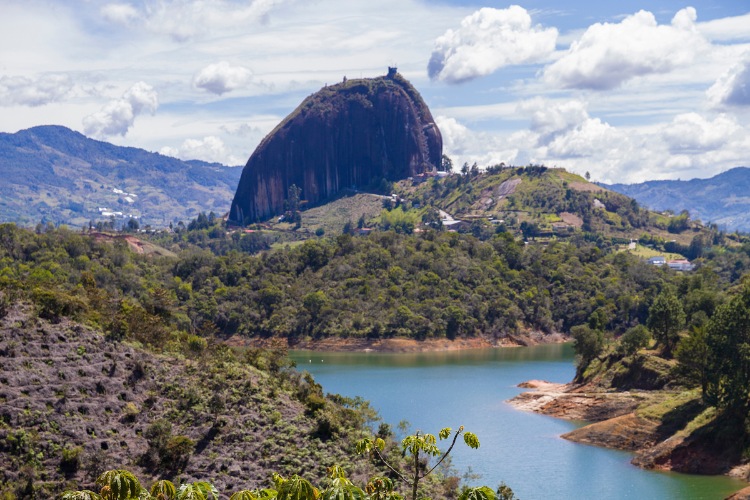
(487, 40)
(186, 20)
(29, 92)
(733, 87)
(590, 138)
(222, 77)
(210, 149)
(550, 121)
(454, 135)
(118, 116)
(464, 145)
(608, 55)
(565, 130)
(727, 28)
(119, 13)
(691, 133)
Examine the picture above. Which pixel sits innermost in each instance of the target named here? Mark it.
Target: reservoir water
(448, 389)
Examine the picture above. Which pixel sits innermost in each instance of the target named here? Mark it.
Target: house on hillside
(456, 225)
(681, 265)
(659, 260)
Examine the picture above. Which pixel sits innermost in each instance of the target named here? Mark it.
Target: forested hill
(91, 325)
(538, 200)
(722, 199)
(53, 174)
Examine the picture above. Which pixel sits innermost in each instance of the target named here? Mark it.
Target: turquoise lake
(470, 388)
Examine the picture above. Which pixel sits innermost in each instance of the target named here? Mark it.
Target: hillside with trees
(115, 357)
(56, 175)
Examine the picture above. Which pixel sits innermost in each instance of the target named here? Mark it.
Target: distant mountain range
(54, 174)
(723, 199)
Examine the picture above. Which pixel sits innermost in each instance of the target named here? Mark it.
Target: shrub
(634, 339)
(53, 305)
(4, 305)
(71, 460)
(197, 344)
(130, 412)
(177, 453)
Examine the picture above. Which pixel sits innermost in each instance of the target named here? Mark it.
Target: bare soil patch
(586, 186)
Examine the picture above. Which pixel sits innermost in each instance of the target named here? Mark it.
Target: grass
(657, 411)
(645, 252)
(333, 216)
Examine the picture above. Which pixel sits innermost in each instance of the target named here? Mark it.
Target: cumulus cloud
(210, 149)
(118, 116)
(608, 55)
(20, 90)
(690, 133)
(222, 77)
(185, 20)
(487, 40)
(550, 121)
(565, 129)
(464, 145)
(119, 13)
(733, 87)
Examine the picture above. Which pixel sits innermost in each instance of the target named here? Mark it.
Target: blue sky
(626, 90)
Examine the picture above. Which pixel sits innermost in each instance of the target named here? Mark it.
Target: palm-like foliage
(341, 488)
(381, 488)
(163, 490)
(119, 485)
(199, 490)
(477, 493)
(264, 494)
(295, 488)
(80, 495)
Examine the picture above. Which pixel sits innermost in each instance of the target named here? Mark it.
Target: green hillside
(53, 174)
(95, 333)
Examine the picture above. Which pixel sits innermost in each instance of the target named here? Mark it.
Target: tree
(446, 164)
(633, 340)
(132, 226)
(728, 340)
(679, 223)
(414, 445)
(432, 218)
(692, 357)
(293, 203)
(665, 319)
(588, 344)
(529, 230)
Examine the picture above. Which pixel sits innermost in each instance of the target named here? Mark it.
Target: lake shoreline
(400, 344)
(612, 422)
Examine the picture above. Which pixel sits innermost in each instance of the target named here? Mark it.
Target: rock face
(348, 135)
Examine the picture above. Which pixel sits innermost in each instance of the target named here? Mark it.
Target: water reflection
(552, 352)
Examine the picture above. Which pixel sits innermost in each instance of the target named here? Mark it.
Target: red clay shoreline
(397, 345)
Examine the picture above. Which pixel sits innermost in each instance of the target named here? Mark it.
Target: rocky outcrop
(348, 135)
(665, 429)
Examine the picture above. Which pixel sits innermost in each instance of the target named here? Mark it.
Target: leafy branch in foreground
(123, 485)
(416, 445)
